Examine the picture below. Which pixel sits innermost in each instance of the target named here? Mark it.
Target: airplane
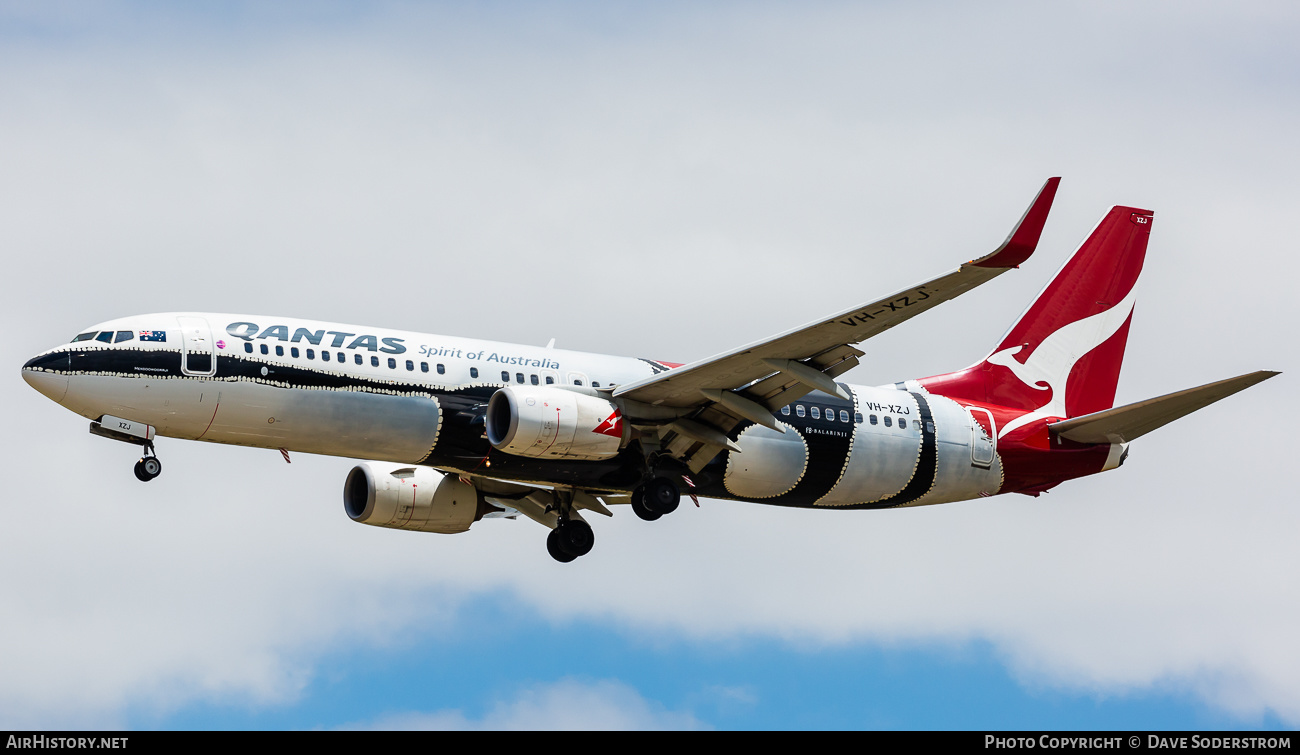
(458, 430)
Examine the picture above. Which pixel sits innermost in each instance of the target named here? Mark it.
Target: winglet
(1024, 237)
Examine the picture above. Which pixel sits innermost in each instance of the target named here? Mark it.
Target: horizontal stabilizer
(1125, 423)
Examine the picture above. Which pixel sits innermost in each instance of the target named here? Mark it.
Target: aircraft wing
(751, 381)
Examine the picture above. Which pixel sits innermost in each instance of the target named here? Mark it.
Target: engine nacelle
(554, 423)
(409, 498)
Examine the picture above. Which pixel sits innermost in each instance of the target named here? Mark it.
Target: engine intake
(410, 498)
(554, 423)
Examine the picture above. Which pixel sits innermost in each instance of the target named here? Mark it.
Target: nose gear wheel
(148, 467)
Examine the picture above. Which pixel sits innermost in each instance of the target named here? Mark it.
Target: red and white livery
(460, 429)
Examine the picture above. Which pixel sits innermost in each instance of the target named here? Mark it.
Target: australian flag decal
(153, 335)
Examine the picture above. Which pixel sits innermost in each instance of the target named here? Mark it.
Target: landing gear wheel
(575, 536)
(555, 549)
(662, 496)
(639, 507)
(148, 468)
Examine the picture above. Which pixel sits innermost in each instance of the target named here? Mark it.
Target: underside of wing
(540, 502)
(694, 407)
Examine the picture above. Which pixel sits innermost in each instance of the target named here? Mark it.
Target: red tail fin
(1062, 358)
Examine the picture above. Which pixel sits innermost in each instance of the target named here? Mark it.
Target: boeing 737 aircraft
(460, 429)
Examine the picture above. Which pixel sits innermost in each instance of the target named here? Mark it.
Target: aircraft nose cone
(38, 375)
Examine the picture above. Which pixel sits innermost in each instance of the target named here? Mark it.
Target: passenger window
(473, 372)
(786, 410)
(392, 363)
(888, 421)
(442, 370)
(844, 415)
(324, 356)
(594, 384)
(519, 378)
(533, 379)
(279, 351)
(424, 366)
(902, 423)
(248, 347)
(816, 412)
(84, 337)
(410, 366)
(311, 353)
(929, 427)
(105, 337)
(857, 418)
(265, 350)
(798, 410)
(293, 352)
(577, 381)
(550, 380)
(374, 361)
(505, 376)
(357, 358)
(123, 335)
(873, 419)
(344, 357)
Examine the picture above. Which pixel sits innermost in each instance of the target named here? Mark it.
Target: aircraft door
(197, 355)
(983, 437)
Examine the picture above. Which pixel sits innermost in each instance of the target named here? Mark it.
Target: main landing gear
(148, 467)
(655, 498)
(572, 537)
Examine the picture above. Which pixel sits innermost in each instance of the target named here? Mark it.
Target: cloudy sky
(661, 180)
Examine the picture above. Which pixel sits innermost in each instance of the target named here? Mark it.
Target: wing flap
(772, 393)
(1126, 423)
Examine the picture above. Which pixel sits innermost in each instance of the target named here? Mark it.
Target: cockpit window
(123, 335)
(105, 337)
(84, 336)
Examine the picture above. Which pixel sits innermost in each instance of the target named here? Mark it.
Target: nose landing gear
(148, 467)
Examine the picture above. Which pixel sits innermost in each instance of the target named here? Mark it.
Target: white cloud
(568, 704)
(729, 176)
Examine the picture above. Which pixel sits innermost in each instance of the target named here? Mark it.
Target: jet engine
(410, 498)
(554, 423)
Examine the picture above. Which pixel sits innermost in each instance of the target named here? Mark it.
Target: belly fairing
(771, 463)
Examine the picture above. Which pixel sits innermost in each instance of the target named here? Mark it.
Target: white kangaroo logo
(1056, 356)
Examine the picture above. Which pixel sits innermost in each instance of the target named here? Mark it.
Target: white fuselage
(399, 396)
